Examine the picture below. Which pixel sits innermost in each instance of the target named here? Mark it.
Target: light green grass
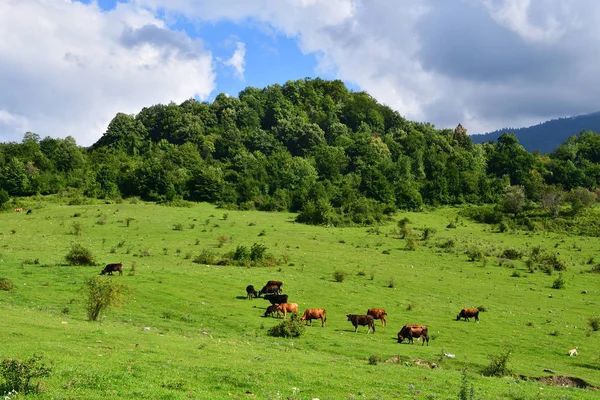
(206, 340)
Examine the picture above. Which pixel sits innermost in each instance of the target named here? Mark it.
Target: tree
(514, 199)
(13, 178)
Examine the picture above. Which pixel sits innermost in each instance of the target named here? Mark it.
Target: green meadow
(186, 329)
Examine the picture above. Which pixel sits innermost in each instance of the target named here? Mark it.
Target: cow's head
(349, 316)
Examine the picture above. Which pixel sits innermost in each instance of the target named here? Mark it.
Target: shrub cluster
(17, 374)
(290, 328)
(498, 365)
(6, 284)
(102, 292)
(79, 255)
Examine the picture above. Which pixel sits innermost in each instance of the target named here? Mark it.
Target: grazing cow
(269, 289)
(362, 320)
(270, 310)
(412, 331)
(18, 209)
(277, 298)
(314, 313)
(251, 292)
(286, 308)
(275, 283)
(467, 313)
(378, 313)
(110, 268)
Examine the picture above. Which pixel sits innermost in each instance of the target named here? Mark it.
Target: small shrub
(594, 323)
(262, 233)
(134, 200)
(392, 283)
(451, 225)
(6, 285)
(481, 308)
(257, 252)
(447, 244)
(225, 216)
(512, 254)
(102, 292)
(466, 389)
(339, 275)
(18, 374)
(360, 273)
(595, 269)
(428, 233)
(475, 254)
(411, 244)
(242, 253)
(79, 255)
(515, 274)
(403, 222)
(77, 228)
(207, 257)
(178, 227)
(224, 239)
(290, 328)
(410, 307)
(128, 221)
(498, 365)
(373, 359)
(559, 283)
(554, 333)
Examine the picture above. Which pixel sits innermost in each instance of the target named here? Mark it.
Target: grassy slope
(207, 341)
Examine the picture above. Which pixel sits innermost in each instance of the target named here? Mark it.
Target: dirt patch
(566, 381)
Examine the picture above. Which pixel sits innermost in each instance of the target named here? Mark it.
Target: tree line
(311, 146)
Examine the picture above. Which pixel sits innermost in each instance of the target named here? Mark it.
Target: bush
(292, 327)
(475, 254)
(257, 252)
(512, 254)
(594, 323)
(6, 284)
(373, 359)
(466, 390)
(242, 253)
(339, 275)
(207, 257)
(79, 255)
(18, 374)
(102, 292)
(224, 239)
(559, 283)
(498, 365)
(411, 244)
(428, 233)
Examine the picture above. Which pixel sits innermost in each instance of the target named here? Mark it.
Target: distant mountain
(548, 135)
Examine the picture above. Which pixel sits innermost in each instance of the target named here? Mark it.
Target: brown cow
(286, 308)
(378, 313)
(276, 283)
(269, 289)
(110, 268)
(270, 310)
(314, 313)
(412, 331)
(18, 209)
(362, 320)
(467, 313)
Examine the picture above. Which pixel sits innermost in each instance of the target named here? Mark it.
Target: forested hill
(547, 136)
(310, 146)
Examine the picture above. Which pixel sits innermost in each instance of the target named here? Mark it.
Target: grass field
(206, 340)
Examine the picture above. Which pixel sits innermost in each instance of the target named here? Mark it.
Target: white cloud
(237, 60)
(67, 68)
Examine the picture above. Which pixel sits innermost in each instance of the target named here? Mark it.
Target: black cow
(276, 283)
(251, 292)
(362, 320)
(110, 268)
(28, 212)
(277, 298)
(270, 310)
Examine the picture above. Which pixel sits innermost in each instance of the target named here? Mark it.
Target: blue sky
(67, 67)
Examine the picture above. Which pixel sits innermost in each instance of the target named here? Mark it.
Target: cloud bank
(67, 68)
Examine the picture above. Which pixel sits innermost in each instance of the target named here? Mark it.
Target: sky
(67, 67)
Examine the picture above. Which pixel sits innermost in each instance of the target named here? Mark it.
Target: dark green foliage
(339, 275)
(242, 253)
(337, 157)
(594, 323)
(559, 282)
(373, 359)
(290, 328)
(79, 255)
(475, 254)
(18, 374)
(258, 252)
(512, 254)
(4, 198)
(498, 365)
(207, 256)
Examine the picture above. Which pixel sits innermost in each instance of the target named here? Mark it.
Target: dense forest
(310, 146)
(547, 136)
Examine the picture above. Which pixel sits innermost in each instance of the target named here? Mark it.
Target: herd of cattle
(272, 292)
